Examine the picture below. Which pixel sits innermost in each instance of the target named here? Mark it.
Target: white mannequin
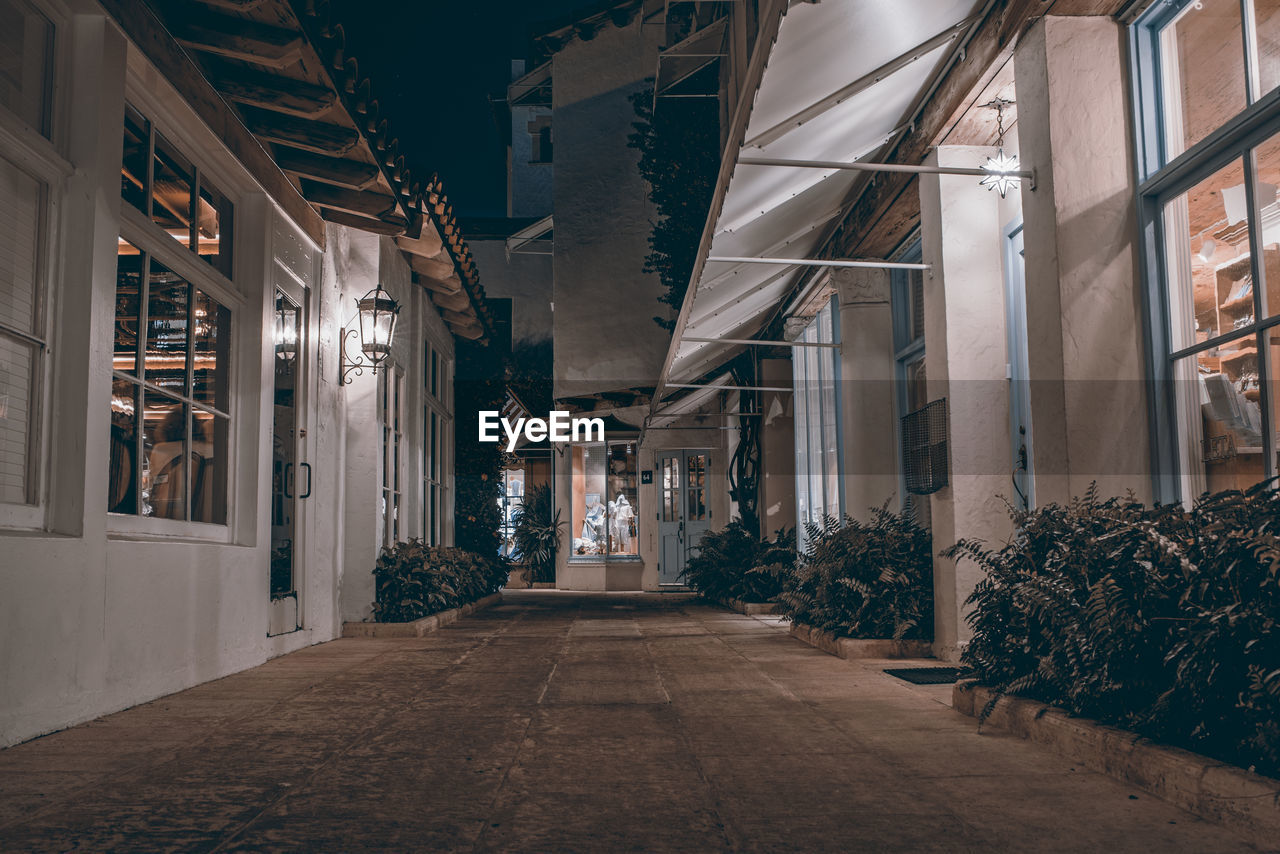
(620, 516)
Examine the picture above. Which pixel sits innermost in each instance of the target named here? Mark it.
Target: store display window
(510, 502)
(606, 506)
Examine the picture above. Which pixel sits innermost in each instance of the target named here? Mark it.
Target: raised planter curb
(1246, 803)
(843, 647)
(751, 609)
(418, 628)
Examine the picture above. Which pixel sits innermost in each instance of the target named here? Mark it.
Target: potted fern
(538, 528)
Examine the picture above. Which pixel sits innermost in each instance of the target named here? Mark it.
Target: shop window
(158, 180)
(509, 504)
(606, 506)
(170, 401)
(391, 417)
(911, 379)
(435, 444)
(26, 63)
(815, 370)
(22, 342)
(1214, 266)
(1202, 62)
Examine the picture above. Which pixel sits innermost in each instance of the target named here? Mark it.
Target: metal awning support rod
(756, 342)
(729, 387)
(818, 262)
(859, 166)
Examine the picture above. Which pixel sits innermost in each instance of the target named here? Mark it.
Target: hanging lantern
(1003, 170)
(376, 312)
(285, 333)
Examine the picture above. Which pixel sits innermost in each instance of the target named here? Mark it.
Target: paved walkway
(568, 723)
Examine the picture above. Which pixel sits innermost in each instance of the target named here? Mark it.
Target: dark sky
(434, 64)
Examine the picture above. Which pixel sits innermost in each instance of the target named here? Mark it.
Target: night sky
(434, 65)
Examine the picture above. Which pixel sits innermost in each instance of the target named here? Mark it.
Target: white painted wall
(603, 299)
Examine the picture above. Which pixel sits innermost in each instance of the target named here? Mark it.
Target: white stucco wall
(603, 299)
(524, 279)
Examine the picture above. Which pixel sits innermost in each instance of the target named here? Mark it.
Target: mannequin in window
(593, 524)
(620, 516)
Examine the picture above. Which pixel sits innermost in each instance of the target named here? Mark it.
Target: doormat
(926, 675)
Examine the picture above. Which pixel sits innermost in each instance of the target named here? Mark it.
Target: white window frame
(436, 461)
(137, 228)
(43, 158)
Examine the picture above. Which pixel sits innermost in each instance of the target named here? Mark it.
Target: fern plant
(538, 528)
(731, 563)
(865, 579)
(413, 580)
(1156, 619)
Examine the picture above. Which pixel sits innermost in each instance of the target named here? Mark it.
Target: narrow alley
(568, 722)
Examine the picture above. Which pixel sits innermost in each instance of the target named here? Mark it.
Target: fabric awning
(842, 80)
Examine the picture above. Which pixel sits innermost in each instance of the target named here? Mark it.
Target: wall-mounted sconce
(285, 329)
(1003, 170)
(376, 312)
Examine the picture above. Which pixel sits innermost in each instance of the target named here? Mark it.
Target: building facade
(199, 467)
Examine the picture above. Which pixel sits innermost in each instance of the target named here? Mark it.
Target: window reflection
(166, 352)
(605, 499)
(1204, 73)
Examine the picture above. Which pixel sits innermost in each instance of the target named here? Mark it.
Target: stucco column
(964, 318)
(867, 416)
(1084, 321)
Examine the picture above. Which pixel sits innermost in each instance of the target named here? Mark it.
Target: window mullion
(1258, 267)
(1249, 33)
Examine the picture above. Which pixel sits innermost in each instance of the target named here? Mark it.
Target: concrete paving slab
(565, 722)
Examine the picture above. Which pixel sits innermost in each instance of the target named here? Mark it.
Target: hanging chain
(998, 104)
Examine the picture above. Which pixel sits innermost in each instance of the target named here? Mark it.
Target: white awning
(843, 79)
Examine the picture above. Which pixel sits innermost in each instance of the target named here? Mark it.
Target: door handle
(288, 467)
(307, 466)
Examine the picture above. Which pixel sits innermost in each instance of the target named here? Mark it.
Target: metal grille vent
(924, 448)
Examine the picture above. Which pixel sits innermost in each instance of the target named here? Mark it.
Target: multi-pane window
(815, 370)
(910, 391)
(509, 504)
(435, 445)
(1211, 164)
(26, 64)
(163, 184)
(391, 417)
(26, 95)
(171, 366)
(606, 506)
(170, 401)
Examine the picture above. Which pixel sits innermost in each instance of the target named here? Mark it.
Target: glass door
(290, 475)
(1019, 370)
(683, 515)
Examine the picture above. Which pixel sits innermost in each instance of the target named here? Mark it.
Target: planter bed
(751, 609)
(1247, 803)
(843, 647)
(417, 628)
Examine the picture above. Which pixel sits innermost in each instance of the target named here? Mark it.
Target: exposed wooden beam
(140, 24)
(390, 228)
(351, 174)
(274, 92)
(471, 333)
(427, 245)
(439, 272)
(457, 301)
(316, 137)
(237, 38)
(373, 205)
(458, 318)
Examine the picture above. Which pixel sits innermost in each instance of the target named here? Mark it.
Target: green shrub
(413, 580)
(1155, 619)
(865, 580)
(732, 564)
(537, 533)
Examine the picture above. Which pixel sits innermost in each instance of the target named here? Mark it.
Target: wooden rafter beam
(351, 174)
(237, 38)
(457, 301)
(316, 137)
(273, 92)
(140, 24)
(439, 272)
(234, 5)
(373, 205)
(389, 227)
